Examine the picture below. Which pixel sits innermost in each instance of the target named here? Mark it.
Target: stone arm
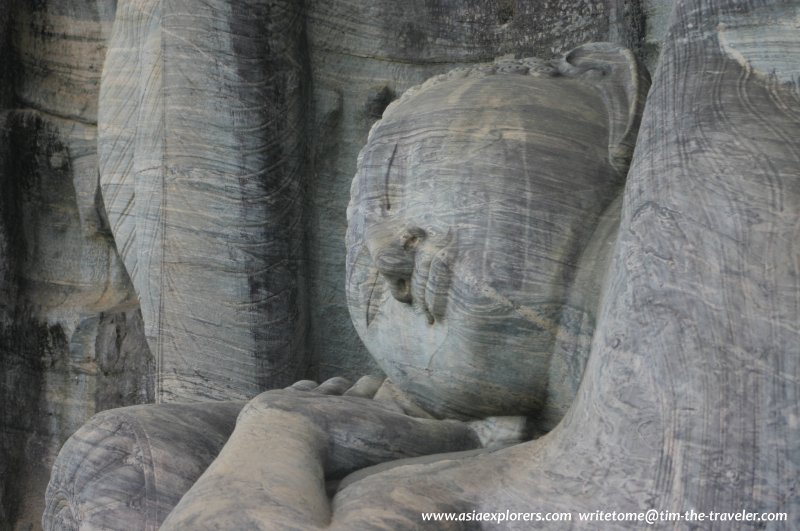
(272, 472)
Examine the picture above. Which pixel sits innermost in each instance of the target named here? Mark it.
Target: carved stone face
(474, 200)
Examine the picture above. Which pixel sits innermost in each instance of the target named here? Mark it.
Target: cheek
(490, 276)
(497, 306)
(484, 313)
(363, 288)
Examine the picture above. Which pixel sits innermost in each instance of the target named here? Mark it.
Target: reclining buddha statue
(480, 229)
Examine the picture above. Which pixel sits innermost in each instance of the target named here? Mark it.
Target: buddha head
(471, 264)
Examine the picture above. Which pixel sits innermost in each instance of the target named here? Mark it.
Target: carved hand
(272, 471)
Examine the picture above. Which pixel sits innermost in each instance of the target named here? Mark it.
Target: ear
(622, 81)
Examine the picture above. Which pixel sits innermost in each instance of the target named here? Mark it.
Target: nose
(393, 250)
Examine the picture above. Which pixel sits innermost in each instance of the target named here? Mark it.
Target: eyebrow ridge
(388, 204)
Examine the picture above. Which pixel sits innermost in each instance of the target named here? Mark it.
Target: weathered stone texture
(66, 257)
(467, 245)
(60, 47)
(63, 380)
(201, 138)
(360, 53)
(127, 468)
(690, 394)
(221, 122)
(656, 17)
(6, 68)
(63, 290)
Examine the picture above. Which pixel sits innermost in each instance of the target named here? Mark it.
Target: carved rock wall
(690, 397)
(201, 138)
(71, 338)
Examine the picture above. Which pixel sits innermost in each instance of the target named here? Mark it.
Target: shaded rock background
(200, 145)
(71, 340)
(72, 337)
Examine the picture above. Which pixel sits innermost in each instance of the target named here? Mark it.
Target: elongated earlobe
(623, 82)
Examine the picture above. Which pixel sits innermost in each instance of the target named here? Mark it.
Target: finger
(365, 387)
(334, 386)
(303, 385)
(391, 396)
(498, 432)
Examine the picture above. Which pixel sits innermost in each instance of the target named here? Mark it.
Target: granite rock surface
(71, 335)
(200, 159)
(192, 246)
(689, 396)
